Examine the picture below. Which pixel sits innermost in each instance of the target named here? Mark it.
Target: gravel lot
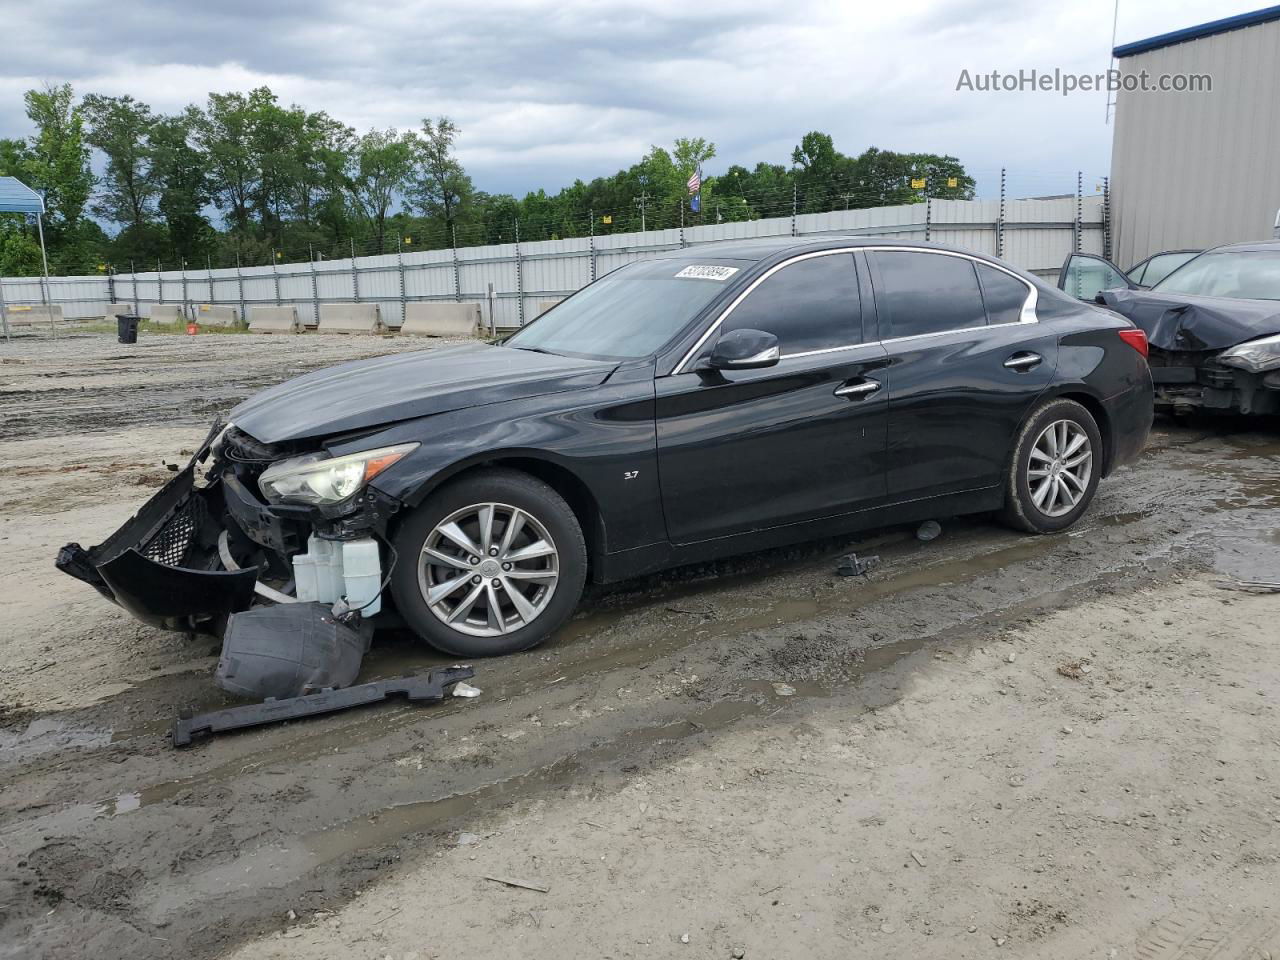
(1056, 746)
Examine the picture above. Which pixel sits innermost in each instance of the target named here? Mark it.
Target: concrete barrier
(351, 318)
(33, 314)
(545, 305)
(212, 315)
(112, 310)
(442, 319)
(168, 313)
(274, 320)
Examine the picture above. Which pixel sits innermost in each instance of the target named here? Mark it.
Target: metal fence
(513, 280)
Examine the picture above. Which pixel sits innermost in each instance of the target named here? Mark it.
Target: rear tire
(1054, 470)
(491, 563)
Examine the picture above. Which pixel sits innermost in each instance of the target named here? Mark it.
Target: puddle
(47, 735)
(124, 803)
(1248, 554)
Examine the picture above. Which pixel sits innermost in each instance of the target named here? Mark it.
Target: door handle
(1022, 362)
(857, 390)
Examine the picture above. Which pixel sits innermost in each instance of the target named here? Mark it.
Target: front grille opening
(173, 542)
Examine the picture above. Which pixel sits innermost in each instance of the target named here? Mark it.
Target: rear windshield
(1240, 275)
(632, 312)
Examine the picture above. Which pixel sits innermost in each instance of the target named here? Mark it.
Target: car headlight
(1256, 356)
(318, 479)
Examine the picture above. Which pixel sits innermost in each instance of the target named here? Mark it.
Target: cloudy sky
(545, 92)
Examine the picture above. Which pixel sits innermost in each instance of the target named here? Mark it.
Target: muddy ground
(1052, 746)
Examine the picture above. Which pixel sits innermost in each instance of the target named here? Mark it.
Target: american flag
(695, 181)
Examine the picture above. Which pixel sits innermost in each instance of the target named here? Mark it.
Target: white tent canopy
(17, 197)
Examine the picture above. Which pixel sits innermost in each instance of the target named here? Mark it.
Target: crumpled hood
(402, 386)
(1183, 322)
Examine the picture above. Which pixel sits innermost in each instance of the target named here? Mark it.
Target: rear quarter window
(1002, 295)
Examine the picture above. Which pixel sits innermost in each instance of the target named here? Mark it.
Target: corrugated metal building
(1192, 169)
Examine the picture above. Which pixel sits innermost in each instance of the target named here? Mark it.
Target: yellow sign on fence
(917, 183)
(607, 218)
(953, 182)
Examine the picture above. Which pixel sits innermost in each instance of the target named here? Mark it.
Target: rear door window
(918, 293)
(811, 304)
(1003, 295)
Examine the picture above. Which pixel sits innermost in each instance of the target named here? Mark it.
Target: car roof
(762, 248)
(1251, 246)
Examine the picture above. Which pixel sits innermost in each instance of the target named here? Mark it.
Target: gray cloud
(548, 91)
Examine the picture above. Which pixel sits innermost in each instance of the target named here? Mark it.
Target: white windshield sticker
(708, 272)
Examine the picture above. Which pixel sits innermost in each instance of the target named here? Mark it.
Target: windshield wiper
(537, 350)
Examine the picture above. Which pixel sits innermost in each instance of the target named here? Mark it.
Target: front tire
(1054, 471)
(492, 563)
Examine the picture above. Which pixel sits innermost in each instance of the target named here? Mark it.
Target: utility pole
(1000, 219)
(591, 216)
(641, 200)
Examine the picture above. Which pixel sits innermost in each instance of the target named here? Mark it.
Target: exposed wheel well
(1099, 413)
(575, 492)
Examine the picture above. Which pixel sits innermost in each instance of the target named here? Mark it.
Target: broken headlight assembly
(318, 479)
(1256, 356)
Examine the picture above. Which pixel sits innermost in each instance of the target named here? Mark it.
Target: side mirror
(744, 350)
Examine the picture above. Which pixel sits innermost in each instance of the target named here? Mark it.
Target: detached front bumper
(162, 565)
(202, 547)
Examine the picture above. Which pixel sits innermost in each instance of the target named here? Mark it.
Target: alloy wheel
(1060, 467)
(488, 569)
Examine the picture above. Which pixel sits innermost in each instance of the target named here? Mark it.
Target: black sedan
(1213, 322)
(719, 399)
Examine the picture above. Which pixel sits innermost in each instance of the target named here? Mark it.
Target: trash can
(127, 328)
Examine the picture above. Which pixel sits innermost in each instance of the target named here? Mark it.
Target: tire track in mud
(320, 809)
(167, 380)
(137, 848)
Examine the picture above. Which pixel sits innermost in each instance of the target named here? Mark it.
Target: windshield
(1242, 276)
(629, 313)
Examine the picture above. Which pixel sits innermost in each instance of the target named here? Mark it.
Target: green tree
(57, 157)
(324, 157)
(379, 171)
(181, 172)
(121, 128)
(55, 161)
(224, 132)
(19, 250)
(442, 188)
(938, 171)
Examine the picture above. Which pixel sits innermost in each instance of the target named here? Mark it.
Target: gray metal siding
(1038, 236)
(1198, 169)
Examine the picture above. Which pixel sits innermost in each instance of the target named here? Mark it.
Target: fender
(604, 439)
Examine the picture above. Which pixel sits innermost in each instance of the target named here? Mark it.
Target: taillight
(1136, 339)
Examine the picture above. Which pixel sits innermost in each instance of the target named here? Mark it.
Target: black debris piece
(852, 565)
(289, 649)
(423, 688)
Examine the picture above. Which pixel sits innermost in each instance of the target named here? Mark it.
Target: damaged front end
(211, 542)
(1204, 381)
(1207, 354)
